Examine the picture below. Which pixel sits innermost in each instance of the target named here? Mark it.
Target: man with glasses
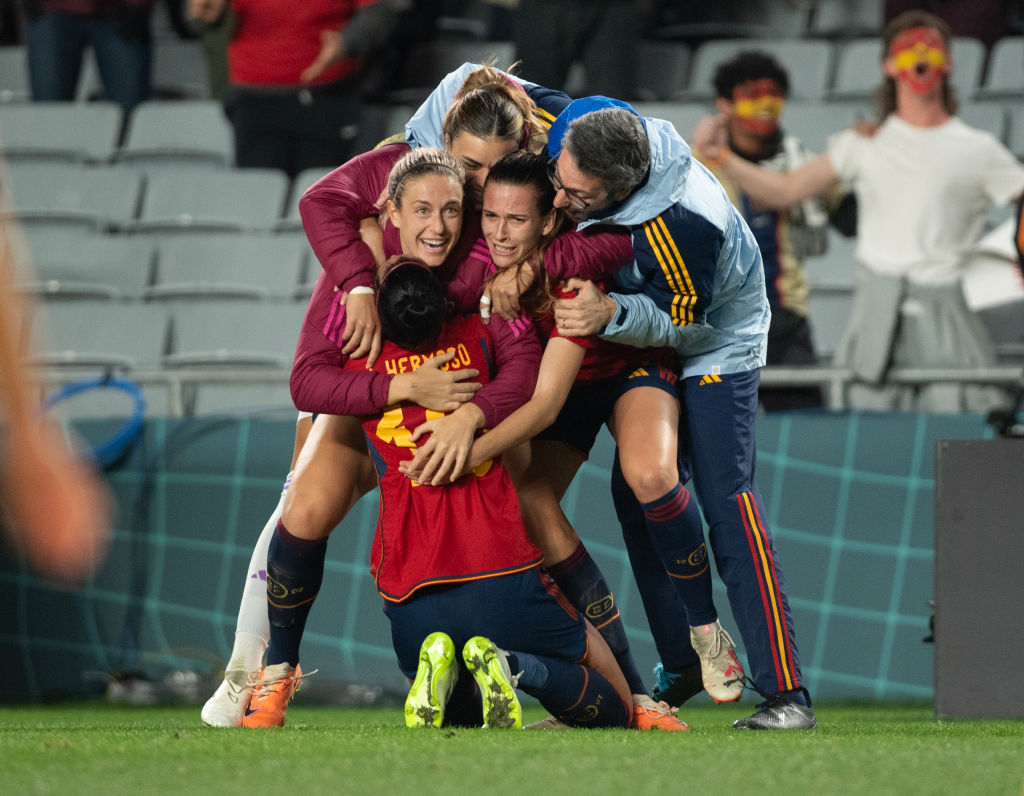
(578, 203)
(697, 284)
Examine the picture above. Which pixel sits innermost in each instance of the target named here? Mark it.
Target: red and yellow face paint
(919, 58)
(758, 105)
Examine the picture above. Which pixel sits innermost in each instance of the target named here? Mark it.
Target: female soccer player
(454, 563)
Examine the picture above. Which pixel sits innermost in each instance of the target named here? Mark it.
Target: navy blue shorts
(524, 612)
(589, 405)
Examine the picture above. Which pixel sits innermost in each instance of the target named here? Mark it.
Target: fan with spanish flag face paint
(757, 105)
(750, 92)
(919, 58)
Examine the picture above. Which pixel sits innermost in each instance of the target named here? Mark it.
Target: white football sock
(252, 628)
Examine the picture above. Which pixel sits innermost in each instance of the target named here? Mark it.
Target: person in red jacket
(294, 72)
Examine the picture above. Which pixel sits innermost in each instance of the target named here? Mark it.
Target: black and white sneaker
(779, 712)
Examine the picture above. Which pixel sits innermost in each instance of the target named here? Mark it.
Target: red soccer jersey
(603, 359)
(429, 535)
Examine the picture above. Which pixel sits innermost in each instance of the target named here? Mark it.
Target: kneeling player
(454, 563)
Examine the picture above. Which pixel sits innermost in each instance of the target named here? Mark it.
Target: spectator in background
(57, 33)
(751, 91)
(294, 73)
(924, 184)
(601, 34)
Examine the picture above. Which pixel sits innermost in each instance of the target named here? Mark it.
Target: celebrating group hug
(513, 272)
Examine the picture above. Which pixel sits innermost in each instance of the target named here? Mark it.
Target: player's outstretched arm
(558, 369)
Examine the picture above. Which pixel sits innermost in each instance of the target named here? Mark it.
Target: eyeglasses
(576, 201)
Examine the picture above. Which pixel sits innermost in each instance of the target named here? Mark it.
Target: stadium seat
(234, 333)
(683, 115)
(968, 66)
(198, 199)
(837, 267)
(829, 309)
(662, 69)
(292, 222)
(14, 74)
(178, 133)
(847, 18)
(1015, 131)
(271, 395)
(224, 265)
(99, 334)
(62, 195)
(94, 267)
(90, 86)
(179, 70)
(785, 20)
(808, 61)
(858, 70)
(988, 116)
(1005, 75)
(430, 61)
(68, 131)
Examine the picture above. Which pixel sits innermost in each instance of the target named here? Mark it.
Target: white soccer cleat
(226, 706)
(721, 670)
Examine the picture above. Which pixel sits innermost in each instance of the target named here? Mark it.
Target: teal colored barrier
(850, 500)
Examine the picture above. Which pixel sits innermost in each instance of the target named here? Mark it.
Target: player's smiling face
(430, 218)
(512, 223)
(477, 155)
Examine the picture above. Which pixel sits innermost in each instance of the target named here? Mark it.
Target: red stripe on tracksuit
(771, 595)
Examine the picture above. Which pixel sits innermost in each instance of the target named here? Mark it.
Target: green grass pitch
(859, 748)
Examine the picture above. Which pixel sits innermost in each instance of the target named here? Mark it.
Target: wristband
(720, 160)
(360, 290)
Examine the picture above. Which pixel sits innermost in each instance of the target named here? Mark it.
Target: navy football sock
(581, 581)
(666, 614)
(571, 692)
(295, 570)
(673, 522)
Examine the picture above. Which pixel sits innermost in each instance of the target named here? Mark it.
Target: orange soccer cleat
(269, 702)
(651, 715)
